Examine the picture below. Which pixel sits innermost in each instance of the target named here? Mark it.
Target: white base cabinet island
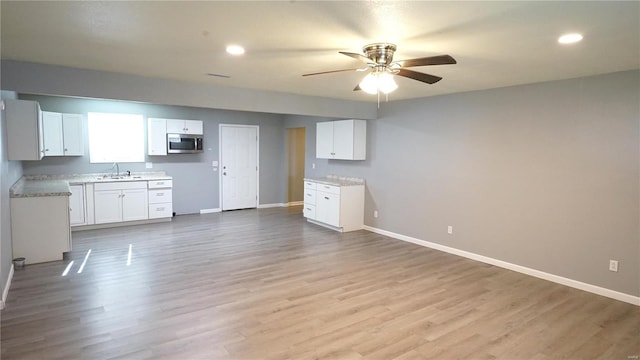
(334, 203)
(40, 230)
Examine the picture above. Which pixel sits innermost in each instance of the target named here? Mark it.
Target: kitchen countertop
(337, 180)
(58, 185)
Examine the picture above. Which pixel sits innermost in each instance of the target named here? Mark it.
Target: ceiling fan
(379, 59)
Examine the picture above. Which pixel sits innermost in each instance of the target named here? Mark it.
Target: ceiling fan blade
(431, 60)
(218, 75)
(356, 56)
(426, 78)
(329, 72)
(357, 88)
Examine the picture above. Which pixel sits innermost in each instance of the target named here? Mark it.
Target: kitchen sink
(104, 178)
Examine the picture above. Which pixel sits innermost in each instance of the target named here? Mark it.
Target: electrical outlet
(375, 213)
(313, 165)
(613, 265)
(450, 230)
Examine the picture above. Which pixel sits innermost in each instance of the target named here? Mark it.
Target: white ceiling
(496, 44)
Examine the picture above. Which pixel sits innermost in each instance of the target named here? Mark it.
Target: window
(116, 138)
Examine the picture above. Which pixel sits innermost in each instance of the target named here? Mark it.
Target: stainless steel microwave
(184, 143)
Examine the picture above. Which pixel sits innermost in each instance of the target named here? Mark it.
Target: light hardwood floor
(265, 284)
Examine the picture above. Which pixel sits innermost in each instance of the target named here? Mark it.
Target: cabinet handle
(160, 194)
(159, 209)
(326, 198)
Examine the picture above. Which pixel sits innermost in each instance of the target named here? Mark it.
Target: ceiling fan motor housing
(380, 53)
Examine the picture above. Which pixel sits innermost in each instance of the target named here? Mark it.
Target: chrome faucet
(115, 165)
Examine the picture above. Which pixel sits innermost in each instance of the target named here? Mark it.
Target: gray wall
(195, 182)
(544, 176)
(10, 172)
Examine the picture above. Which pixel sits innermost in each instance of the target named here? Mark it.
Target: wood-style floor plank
(265, 284)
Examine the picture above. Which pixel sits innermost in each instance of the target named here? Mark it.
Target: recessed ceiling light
(235, 49)
(569, 38)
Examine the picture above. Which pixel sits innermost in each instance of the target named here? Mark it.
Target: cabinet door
(52, 133)
(157, 136)
(24, 130)
(328, 208)
(176, 126)
(324, 140)
(73, 135)
(194, 127)
(134, 205)
(343, 139)
(108, 206)
(76, 205)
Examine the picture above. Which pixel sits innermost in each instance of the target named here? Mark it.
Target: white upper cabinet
(52, 130)
(63, 135)
(157, 136)
(342, 140)
(73, 134)
(324, 140)
(24, 130)
(193, 127)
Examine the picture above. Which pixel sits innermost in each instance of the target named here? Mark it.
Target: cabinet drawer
(309, 196)
(310, 185)
(159, 184)
(160, 210)
(120, 185)
(329, 189)
(160, 196)
(309, 211)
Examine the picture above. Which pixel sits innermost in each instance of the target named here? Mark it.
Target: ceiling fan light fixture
(378, 81)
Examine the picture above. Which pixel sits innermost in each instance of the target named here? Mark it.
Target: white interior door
(239, 166)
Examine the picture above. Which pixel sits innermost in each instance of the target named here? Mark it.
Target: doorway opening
(296, 145)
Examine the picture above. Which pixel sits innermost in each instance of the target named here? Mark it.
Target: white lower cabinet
(309, 209)
(77, 205)
(40, 228)
(328, 206)
(340, 207)
(120, 201)
(160, 199)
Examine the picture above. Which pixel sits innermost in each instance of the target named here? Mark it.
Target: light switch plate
(149, 165)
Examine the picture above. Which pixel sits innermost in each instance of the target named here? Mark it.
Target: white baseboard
(293, 203)
(635, 300)
(261, 206)
(7, 285)
(210, 211)
(266, 206)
